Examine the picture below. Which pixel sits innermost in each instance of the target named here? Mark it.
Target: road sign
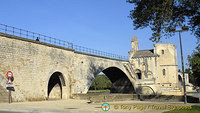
(9, 85)
(9, 81)
(10, 88)
(9, 74)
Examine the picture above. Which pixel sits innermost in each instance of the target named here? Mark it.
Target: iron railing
(50, 40)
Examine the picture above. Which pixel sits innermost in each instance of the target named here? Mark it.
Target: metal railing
(50, 40)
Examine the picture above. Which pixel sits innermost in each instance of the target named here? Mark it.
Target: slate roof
(144, 53)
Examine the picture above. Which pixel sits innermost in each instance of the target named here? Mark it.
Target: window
(163, 51)
(163, 72)
(139, 74)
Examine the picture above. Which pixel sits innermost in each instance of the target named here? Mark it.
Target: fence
(50, 40)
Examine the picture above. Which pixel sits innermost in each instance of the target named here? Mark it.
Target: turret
(134, 46)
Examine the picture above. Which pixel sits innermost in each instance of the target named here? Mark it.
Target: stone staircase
(3, 94)
(170, 91)
(130, 70)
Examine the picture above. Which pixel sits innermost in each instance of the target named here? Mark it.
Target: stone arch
(146, 90)
(55, 86)
(138, 73)
(120, 81)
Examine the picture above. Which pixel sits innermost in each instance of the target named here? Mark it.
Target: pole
(9, 96)
(184, 88)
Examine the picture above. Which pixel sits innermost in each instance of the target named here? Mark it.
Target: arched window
(149, 75)
(163, 52)
(138, 73)
(180, 78)
(164, 72)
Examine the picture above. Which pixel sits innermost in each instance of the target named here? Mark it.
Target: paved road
(82, 106)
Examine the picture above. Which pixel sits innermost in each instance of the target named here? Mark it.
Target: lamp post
(184, 28)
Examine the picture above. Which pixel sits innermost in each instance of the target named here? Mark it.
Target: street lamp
(184, 28)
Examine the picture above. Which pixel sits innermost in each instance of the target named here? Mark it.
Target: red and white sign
(9, 74)
(9, 82)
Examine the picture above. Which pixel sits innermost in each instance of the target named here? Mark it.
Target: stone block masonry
(37, 67)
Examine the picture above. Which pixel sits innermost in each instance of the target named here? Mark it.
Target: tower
(134, 46)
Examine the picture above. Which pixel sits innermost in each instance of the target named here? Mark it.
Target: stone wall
(33, 63)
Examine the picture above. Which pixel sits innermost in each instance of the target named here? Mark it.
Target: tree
(160, 15)
(194, 63)
(101, 82)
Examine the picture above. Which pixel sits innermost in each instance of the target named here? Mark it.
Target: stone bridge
(43, 70)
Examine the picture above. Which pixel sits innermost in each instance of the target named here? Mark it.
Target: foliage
(160, 15)
(195, 109)
(194, 63)
(101, 82)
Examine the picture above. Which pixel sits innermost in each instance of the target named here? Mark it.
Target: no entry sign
(9, 74)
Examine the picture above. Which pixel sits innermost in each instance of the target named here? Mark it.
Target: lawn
(195, 109)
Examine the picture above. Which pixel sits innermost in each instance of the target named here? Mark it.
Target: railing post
(13, 30)
(50, 39)
(44, 38)
(27, 34)
(72, 45)
(33, 36)
(6, 29)
(20, 32)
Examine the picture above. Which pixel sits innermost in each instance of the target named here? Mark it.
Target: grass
(98, 91)
(195, 109)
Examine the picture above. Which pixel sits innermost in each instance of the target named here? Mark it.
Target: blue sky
(97, 24)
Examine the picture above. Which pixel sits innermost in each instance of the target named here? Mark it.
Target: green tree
(101, 82)
(194, 63)
(160, 15)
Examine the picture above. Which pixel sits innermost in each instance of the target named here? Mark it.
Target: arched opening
(120, 83)
(164, 72)
(138, 73)
(180, 82)
(149, 75)
(179, 78)
(55, 84)
(163, 52)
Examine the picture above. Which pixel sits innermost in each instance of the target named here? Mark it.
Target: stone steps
(3, 94)
(172, 93)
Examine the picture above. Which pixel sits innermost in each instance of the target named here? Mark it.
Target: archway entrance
(55, 84)
(120, 83)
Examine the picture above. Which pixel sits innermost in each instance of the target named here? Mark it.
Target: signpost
(9, 74)
(9, 85)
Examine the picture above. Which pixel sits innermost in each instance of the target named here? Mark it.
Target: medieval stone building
(157, 67)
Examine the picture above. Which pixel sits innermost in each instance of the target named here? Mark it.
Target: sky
(98, 24)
